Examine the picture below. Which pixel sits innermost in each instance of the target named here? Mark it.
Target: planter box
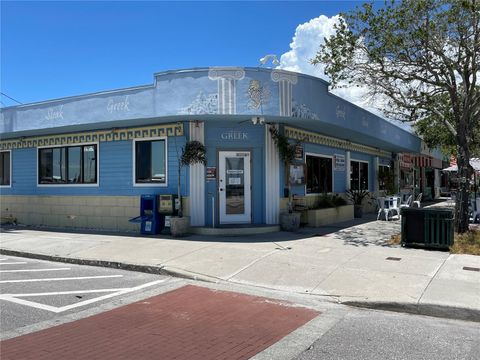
(179, 226)
(290, 221)
(327, 216)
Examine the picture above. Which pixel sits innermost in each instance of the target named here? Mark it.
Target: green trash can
(429, 228)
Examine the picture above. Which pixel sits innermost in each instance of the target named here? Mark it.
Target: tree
(422, 58)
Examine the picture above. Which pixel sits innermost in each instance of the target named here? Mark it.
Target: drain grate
(468, 268)
(393, 258)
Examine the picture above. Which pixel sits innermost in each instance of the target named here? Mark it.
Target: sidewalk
(350, 263)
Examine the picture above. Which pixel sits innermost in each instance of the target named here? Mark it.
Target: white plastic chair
(407, 203)
(417, 201)
(386, 208)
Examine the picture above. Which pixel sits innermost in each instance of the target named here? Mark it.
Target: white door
(234, 187)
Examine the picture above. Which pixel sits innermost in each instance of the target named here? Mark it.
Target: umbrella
(474, 162)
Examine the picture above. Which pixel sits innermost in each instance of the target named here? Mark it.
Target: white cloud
(305, 45)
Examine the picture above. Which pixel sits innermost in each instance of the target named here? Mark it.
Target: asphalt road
(35, 294)
(379, 335)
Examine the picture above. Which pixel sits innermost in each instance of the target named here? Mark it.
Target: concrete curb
(435, 310)
(159, 270)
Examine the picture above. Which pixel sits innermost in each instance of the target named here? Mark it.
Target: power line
(11, 98)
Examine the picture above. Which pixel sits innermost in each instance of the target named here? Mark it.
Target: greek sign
(234, 135)
(115, 106)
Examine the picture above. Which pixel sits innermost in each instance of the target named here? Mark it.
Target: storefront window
(319, 175)
(406, 178)
(66, 165)
(5, 168)
(150, 161)
(358, 175)
(385, 178)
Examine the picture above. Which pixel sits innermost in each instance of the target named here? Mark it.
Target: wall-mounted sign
(340, 112)
(234, 135)
(339, 162)
(297, 174)
(56, 113)
(211, 173)
(299, 152)
(118, 105)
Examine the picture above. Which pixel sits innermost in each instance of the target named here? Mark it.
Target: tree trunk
(180, 212)
(464, 173)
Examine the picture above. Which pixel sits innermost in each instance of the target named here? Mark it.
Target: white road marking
(61, 279)
(14, 263)
(33, 270)
(3, 259)
(15, 297)
(63, 292)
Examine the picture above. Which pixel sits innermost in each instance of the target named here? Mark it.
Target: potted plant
(356, 197)
(194, 152)
(288, 221)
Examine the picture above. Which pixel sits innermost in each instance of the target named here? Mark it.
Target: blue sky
(57, 49)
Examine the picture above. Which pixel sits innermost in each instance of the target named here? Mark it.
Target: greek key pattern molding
(314, 138)
(94, 136)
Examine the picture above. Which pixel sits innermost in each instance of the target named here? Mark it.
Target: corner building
(83, 161)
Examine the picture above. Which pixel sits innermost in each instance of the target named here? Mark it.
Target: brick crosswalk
(188, 323)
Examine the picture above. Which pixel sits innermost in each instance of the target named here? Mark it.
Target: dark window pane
(319, 175)
(5, 168)
(150, 161)
(59, 165)
(90, 164)
(74, 164)
(46, 166)
(354, 175)
(364, 176)
(142, 161)
(385, 177)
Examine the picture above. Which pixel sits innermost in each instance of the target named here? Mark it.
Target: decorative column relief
(272, 179)
(285, 80)
(197, 179)
(227, 90)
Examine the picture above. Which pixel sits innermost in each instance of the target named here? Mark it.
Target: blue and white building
(83, 161)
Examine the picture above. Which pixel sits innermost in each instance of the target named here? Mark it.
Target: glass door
(234, 187)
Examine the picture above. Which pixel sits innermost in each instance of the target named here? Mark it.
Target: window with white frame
(151, 161)
(358, 175)
(5, 166)
(68, 165)
(319, 175)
